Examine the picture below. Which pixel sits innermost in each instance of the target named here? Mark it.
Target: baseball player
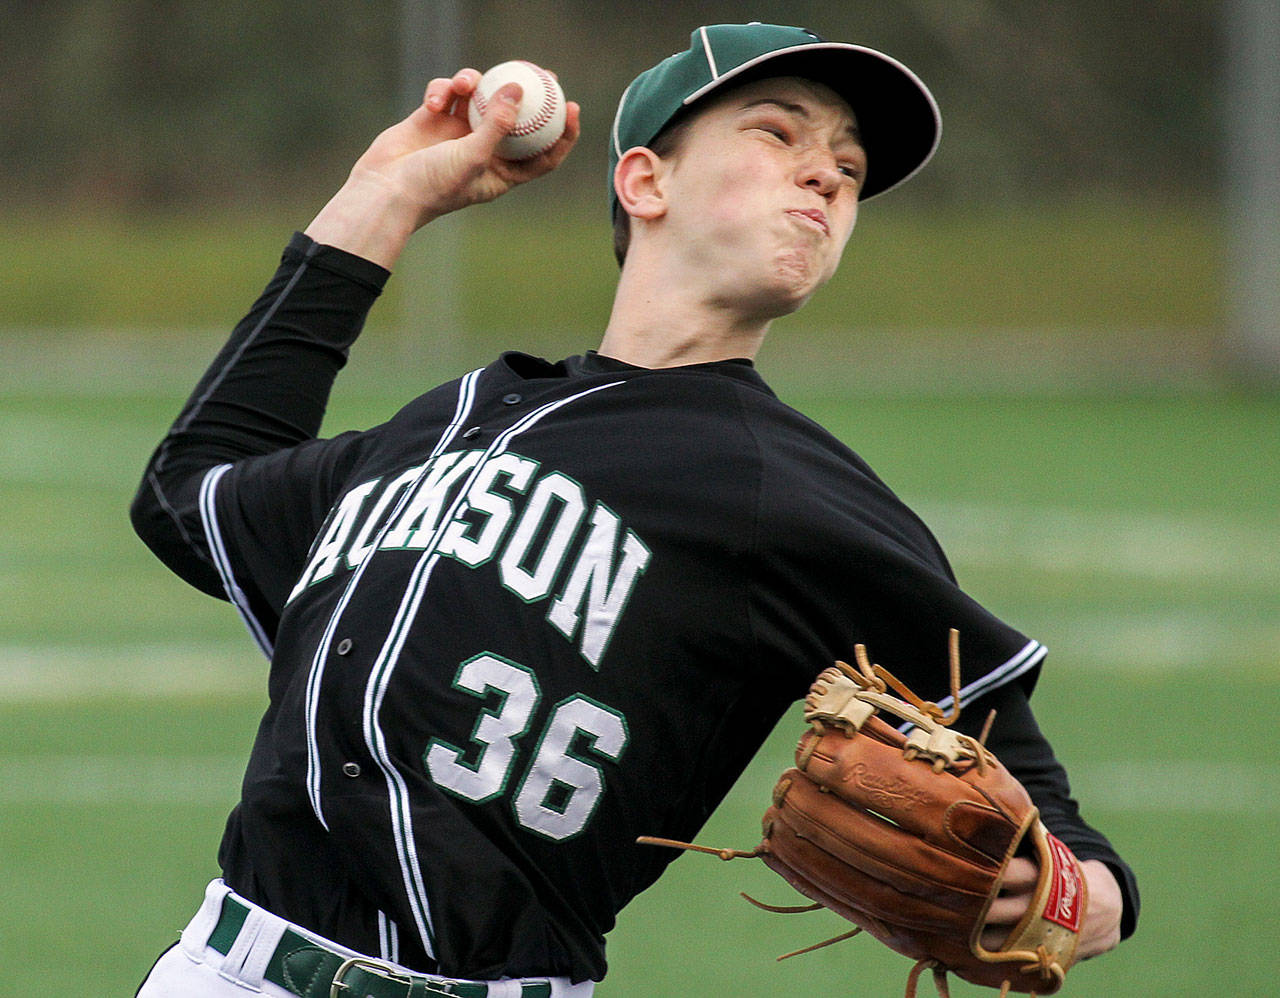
(549, 607)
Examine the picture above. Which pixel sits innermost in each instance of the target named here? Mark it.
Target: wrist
(1101, 931)
(368, 218)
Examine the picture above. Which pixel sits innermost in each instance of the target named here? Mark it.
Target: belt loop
(196, 935)
(270, 931)
(246, 961)
(234, 958)
(420, 987)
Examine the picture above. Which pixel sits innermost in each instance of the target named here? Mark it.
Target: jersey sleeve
(234, 493)
(864, 569)
(846, 562)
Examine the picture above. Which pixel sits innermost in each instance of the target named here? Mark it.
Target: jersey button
(351, 769)
(344, 647)
(512, 399)
(472, 433)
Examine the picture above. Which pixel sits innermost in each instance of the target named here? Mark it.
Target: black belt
(310, 970)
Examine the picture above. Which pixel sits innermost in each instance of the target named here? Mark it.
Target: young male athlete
(550, 607)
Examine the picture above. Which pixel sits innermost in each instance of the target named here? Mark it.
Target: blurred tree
(153, 103)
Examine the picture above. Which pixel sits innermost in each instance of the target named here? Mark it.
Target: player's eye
(779, 133)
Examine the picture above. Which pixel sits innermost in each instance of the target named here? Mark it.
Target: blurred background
(1076, 219)
(1060, 342)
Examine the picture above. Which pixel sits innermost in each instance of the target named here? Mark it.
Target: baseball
(540, 119)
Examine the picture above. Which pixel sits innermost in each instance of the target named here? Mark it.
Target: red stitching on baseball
(548, 107)
(544, 112)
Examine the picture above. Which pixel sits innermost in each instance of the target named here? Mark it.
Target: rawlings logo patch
(1063, 905)
(888, 790)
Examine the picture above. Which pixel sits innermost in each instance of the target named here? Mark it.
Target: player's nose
(821, 173)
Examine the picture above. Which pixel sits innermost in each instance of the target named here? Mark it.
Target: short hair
(663, 145)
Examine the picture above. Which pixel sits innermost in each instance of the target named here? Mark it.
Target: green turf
(1137, 535)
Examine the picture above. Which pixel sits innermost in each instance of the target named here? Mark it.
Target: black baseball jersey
(544, 609)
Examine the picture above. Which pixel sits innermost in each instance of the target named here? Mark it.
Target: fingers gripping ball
(909, 836)
(540, 119)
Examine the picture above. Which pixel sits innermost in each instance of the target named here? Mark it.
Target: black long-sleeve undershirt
(266, 390)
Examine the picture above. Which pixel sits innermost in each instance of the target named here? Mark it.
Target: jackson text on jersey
(475, 507)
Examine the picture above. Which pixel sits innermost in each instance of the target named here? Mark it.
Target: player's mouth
(811, 216)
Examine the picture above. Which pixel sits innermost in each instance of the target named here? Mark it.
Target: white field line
(59, 673)
(1143, 550)
(1176, 641)
(1159, 547)
(1180, 787)
(71, 449)
(195, 780)
(1150, 787)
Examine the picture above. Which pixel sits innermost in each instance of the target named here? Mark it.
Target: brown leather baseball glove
(908, 835)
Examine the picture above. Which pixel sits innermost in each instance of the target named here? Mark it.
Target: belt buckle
(363, 963)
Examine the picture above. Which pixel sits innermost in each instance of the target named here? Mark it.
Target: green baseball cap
(897, 117)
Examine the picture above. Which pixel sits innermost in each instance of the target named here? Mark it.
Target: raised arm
(267, 390)
(427, 165)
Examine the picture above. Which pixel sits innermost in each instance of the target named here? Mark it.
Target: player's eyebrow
(799, 110)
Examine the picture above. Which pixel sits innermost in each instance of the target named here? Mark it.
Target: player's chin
(797, 275)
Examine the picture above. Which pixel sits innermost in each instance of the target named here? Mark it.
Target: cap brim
(898, 119)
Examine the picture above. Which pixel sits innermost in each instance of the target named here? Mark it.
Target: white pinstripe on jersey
(389, 656)
(222, 562)
(466, 399)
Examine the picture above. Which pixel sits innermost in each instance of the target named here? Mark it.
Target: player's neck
(660, 324)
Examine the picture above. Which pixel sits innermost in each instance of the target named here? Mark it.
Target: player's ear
(637, 181)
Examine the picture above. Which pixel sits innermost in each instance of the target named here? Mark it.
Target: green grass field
(1086, 488)
(1136, 534)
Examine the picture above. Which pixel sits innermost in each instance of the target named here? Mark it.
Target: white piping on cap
(816, 46)
(617, 117)
(924, 91)
(711, 58)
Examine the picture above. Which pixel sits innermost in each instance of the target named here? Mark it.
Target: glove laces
(1044, 964)
(931, 739)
